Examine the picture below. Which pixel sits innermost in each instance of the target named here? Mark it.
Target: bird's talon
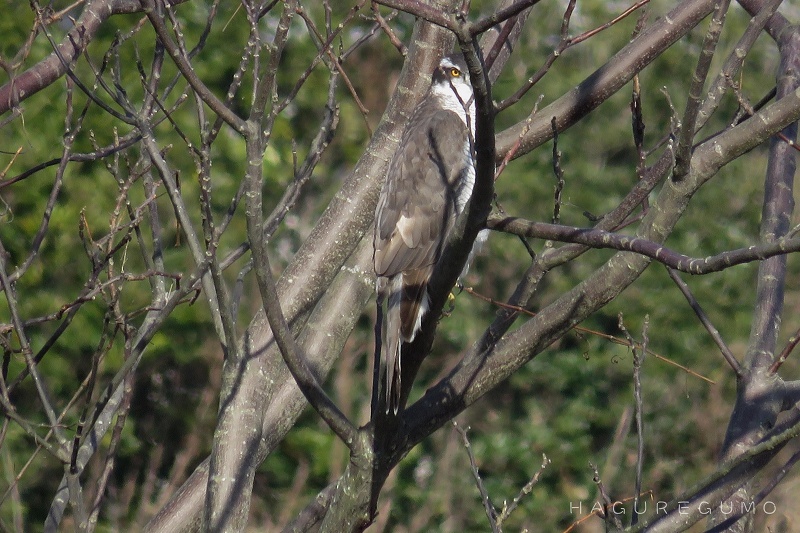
(450, 305)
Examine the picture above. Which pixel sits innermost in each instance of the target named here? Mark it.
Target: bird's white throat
(457, 96)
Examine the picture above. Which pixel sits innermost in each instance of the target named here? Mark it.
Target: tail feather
(393, 381)
(414, 301)
(392, 344)
(407, 302)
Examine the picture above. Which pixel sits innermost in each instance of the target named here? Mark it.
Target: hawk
(428, 184)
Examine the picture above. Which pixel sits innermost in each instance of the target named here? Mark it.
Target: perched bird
(428, 184)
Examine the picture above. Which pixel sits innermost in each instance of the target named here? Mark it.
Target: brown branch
(565, 43)
(776, 24)
(422, 10)
(608, 504)
(292, 354)
(734, 62)
(47, 71)
(591, 33)
(491, 512)
(692, 506)
(387, 30)
(493, 359)
(56, 64)
(324, 47)
(597, 238)
(525, 490)
(599, 512)
(500, 16)
(787, 350)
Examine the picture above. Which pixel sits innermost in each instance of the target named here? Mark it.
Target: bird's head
(450, 84)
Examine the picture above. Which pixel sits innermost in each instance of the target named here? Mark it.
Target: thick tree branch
(47, 71)
(312, 287)
(607, 80)
(759, 397)
(694, 505)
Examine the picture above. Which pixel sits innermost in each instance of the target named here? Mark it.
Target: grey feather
(429, 181)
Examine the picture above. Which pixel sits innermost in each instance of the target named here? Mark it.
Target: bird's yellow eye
(455, 72)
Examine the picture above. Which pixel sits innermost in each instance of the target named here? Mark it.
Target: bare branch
(218, 106)
(597, 238)
(608, 503)
(711, 491)
(689, 123)
(734, 62)
(787, 350)
(698, 310)
(422, 10)
(501, 15)
(491, 512)
(47, 71)
(605, 81)
(524, 491)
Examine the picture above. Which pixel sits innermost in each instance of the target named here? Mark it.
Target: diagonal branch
(422, 10)
(489, 363)
(501, 15)
(698, 310)
(295, 360)
(693, 505)
(47, 71)
(218, 106)
(606, 80)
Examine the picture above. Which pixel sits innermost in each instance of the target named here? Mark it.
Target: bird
(428, 184)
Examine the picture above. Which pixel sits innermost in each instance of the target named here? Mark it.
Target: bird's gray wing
(417, 204)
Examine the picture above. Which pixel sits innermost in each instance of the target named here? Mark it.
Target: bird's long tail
(391, 344)
(406, 298)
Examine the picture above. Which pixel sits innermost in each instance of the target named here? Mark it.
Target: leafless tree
(273, 368)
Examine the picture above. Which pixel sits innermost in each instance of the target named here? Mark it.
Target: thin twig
(787, 350)
(390, 34)
(713, 331)
(599, 512)
(291, 352)
(524, 491)
(38, 379)
(734, 62)
(608, 503)
(559, 173)
(219, 107)
(491, 512)
(638, 360)
(611, 338)
(565, 43)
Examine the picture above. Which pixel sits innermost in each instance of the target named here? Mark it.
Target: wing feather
(417, 206)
